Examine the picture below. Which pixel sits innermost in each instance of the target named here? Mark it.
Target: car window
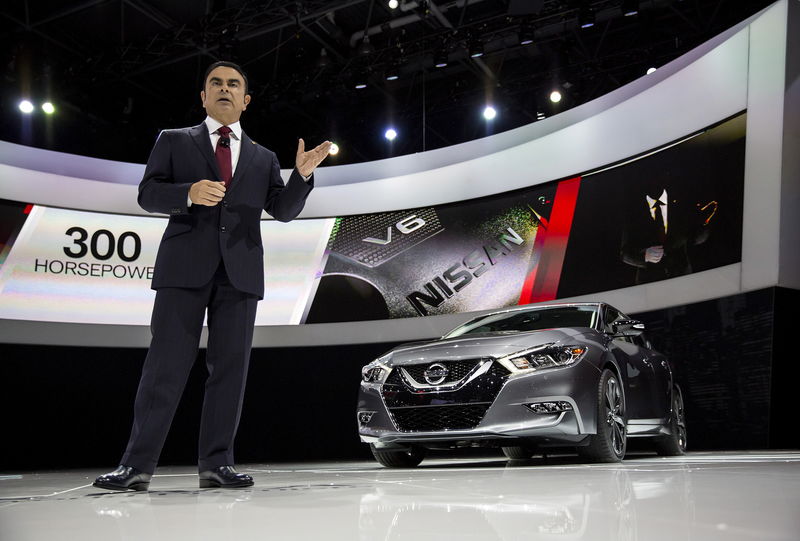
(610, 316)
(530, 320)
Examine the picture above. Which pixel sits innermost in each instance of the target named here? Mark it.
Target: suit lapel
(203, 141)
(246, 153)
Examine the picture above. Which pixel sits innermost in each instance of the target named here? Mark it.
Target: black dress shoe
(224, 477)
(124, 478)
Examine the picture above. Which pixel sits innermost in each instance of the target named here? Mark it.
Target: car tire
(518, 452)
(675, 443)
(610, 442)
(399, 458)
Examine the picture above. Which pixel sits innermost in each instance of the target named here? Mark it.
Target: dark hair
(226, 64)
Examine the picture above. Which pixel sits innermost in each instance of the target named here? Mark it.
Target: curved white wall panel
(742, 69)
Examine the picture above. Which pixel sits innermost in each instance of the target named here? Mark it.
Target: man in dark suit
(659, 230)
(210, 260)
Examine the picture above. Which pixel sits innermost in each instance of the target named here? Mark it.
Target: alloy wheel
(615, 415)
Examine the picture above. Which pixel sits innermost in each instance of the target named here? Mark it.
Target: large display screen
(669, 212)
(595, 232)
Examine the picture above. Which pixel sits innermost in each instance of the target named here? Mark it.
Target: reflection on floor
(703, 496)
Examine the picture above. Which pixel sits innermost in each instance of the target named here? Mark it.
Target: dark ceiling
(118, 71)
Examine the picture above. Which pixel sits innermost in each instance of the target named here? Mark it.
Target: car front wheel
(609, 444)
(519, 452)
(398, 458)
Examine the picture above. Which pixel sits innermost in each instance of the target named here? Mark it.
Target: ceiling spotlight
(390, 134)
(650, 70)
(440, 58)
(26, 107)
(555, 96)
(323, 61)
(392, 73)
(334, 150)
(366, 47)
(630, 7)
(360, 79)
(540, 116)
(475, 48)
(489, 112)
(393, 4)
(525, 35)
(586, 17)
(48, 108)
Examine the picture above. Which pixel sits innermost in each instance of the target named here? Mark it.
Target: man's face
(224, 96)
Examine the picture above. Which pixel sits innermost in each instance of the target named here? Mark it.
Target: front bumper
(498, 409)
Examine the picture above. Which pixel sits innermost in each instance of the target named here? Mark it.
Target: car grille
(435, 418)
(456, 370)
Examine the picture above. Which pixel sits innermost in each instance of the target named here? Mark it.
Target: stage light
(586, 17)
(390, 134)
(48, 108)
(525, 35)
(360, 79)
(630, 7)
(540, 116)
(650, 70)
(555, 96)
(440, 59)
(334, 150)
(393, 4)
(475, 47)
(323, 61)
(392, 73)
(489, 113)
(366, 47)
(26, 107)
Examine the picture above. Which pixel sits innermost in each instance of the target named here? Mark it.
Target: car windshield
(529, 320)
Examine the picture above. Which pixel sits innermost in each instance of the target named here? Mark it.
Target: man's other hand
(654, 254)
(306, 162)
(207, 192)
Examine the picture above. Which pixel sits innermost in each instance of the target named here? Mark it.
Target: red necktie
(223, 155)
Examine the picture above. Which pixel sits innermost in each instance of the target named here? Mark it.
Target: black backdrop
(68, 407)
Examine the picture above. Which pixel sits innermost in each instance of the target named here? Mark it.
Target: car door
(638, 373)
(660, 380)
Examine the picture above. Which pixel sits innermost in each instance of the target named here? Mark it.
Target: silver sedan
(580, 376)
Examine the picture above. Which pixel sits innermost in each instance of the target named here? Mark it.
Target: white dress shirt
(663, 200)
(235, 137)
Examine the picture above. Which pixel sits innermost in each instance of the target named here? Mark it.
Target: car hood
(481, 345)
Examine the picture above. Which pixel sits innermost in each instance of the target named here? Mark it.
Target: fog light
(365, 416)
(550, 407)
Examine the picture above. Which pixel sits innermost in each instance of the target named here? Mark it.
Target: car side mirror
(627, 327)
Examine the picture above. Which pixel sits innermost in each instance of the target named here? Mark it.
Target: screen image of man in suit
(660, 226)
(214, 182)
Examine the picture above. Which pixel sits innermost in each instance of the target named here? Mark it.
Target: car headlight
(543, 357)
(375, 372)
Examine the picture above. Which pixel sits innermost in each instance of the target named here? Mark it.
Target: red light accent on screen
(28, 209)
(550, 245)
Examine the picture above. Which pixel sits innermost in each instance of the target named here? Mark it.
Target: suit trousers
(175, 326)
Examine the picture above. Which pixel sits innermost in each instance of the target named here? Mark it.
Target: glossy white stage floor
(703, 496)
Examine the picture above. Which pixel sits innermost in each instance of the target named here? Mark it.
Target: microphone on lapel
(225, 142)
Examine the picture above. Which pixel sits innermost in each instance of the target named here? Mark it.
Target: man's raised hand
(306, 162)
(207, 192)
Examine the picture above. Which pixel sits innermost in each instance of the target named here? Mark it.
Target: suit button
(224, 203)
(223, 228)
